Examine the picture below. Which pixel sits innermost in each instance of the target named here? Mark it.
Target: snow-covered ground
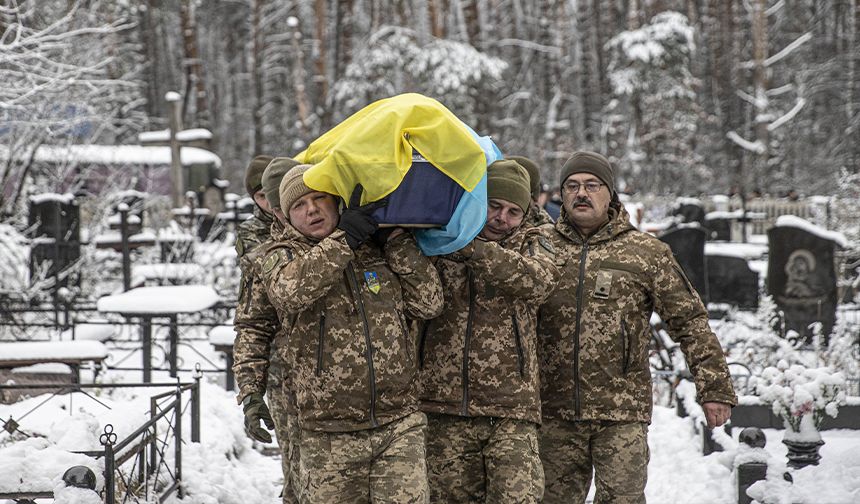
(226, 467)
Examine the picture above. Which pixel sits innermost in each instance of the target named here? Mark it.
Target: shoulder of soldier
(273, 253)
(645, 242)
(530, 237)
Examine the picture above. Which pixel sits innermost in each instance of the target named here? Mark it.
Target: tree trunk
(321, 76)
(256, 73)
(343, 37)
(472, 20)
(194, 83)
(760, 85)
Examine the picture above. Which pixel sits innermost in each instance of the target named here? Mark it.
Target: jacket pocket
(519, 343)
(625, 348)
(321, 344)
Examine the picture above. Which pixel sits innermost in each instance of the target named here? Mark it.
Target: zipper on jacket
(580, 290)
(425, 328)
(320, 343)
(368, 354)
(467, 343)
(625, 348)
(519, 342)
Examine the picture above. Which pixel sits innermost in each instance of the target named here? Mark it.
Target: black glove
(357, 221)
(255, 410)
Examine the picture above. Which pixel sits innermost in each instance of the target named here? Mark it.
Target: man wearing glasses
(594, 333)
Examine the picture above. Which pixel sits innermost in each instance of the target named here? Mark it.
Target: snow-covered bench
(72, 353)
(90, 332)
(221, 338)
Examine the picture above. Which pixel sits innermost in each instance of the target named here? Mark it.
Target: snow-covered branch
(788, 115)
(756, 146)
(788, 49)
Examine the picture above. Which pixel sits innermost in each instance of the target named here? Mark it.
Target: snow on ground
(226, 467)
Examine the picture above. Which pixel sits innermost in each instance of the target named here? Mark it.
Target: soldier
(537, 216)
(255, 230)
(258, 365)
(479, 361)
(594, 334)
(350, 356)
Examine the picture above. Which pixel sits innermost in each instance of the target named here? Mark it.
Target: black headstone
(688, 246)
(55, 216)
(690, 212)
(731, 281)
(801, 277)
(54, 221)
(719, 228)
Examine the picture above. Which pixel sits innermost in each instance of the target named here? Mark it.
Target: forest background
(685, 96)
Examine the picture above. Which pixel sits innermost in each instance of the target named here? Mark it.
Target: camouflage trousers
(286, 431)
(382, 465)
(483, 459)
(618, 452)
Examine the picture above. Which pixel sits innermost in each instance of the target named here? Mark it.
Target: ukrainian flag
(375, 147)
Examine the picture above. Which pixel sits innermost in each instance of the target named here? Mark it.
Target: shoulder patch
(271, 261)
(240, 246)
(546, 244)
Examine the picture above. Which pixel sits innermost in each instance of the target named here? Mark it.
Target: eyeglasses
(573, 187)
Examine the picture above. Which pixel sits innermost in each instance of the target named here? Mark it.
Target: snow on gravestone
(801, 274)
(688, 246)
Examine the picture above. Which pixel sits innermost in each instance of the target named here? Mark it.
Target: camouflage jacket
(479, 357)
(537, 217)
(349, 352)
(252, 232)
(594, 329)
(256, 363)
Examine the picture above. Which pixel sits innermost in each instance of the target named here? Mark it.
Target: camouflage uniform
(258, 366)
(352, 361)
(479, 362)
(537, 217)
(254, 231)
(595, 376)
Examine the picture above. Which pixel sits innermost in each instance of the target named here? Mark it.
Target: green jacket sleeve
(419, 280)
(296, 280)
(256, 323)
(529, 273)
(686, 318)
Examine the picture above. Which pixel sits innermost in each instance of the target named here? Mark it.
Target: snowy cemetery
(116, 346)
(120, 200)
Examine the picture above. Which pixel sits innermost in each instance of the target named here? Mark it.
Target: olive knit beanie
(254, 174)
(293, 186)
(589, 162)
(534, 173)
(272, 176)
(509, 181)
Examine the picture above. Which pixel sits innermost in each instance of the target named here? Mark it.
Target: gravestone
(689, 210)
(688, 247)
(719, 226)
(55, 223)
(801, 275)
(731, 281)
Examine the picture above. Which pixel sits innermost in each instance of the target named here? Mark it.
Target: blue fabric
(425, 197)
(468, 220)
(491, 151)
(469, 217)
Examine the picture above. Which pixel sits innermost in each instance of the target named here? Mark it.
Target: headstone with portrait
(688, 246)
(801, 275)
